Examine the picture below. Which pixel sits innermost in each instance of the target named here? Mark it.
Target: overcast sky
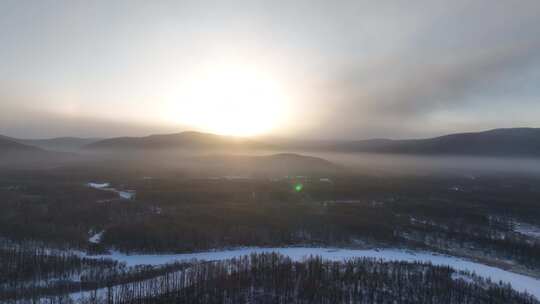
(352, 69)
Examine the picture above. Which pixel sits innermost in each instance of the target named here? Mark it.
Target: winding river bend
(519, 282)
(124, 194)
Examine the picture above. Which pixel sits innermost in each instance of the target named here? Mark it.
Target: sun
(232, 100)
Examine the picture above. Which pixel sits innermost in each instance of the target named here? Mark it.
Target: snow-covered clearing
(518, 282)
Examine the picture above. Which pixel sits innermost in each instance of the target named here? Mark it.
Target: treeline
(453, 225)
(26, 270)
(273, 278)
(508, 245)
(28, 273)
(456, 225)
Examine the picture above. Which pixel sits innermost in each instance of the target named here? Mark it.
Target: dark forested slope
(498, 142)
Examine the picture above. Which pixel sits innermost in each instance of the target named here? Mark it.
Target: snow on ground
(125, 194)
(519, 282)
(98, 185)
(461, 276)
(130, 194)
(528, 230)
(96, 238)
(343, 202)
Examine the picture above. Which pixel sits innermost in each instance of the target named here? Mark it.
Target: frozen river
(519, 282)
(125, 194)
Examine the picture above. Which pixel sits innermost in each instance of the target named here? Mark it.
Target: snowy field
(518, 282)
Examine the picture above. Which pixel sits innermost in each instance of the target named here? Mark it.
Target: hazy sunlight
(231, 100)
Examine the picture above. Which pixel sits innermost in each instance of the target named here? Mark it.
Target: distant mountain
(522, 142)
(184, 140)
(65, 144)
(8, 145)
(499, 142)
(16, 155)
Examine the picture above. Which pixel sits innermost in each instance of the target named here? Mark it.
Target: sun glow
(232, 100)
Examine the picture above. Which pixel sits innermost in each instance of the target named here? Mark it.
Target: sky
(347, 69)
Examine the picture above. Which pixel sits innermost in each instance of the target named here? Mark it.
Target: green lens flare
(298, 187)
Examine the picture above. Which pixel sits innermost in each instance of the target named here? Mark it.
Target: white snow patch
(156, 209)
(96, 238)
(236, 177)
(98, 185)
(342, 202)
(528, 230)
(125, 194)
(129, 194)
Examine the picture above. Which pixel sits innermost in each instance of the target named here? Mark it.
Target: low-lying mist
(409, 164)
(215, 162)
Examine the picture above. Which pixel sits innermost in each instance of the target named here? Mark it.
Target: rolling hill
(184, 140)
(8, 145)
(16, 155)
(64, 144)
(275, 164)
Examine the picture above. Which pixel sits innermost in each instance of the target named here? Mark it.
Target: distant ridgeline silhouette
(522, 142)
(186, 140)
(517, 142)
(8, 144)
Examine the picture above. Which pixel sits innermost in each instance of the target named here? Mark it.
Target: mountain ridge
(7, 144)
(494, 142)
(519, 142)
(187, 139)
